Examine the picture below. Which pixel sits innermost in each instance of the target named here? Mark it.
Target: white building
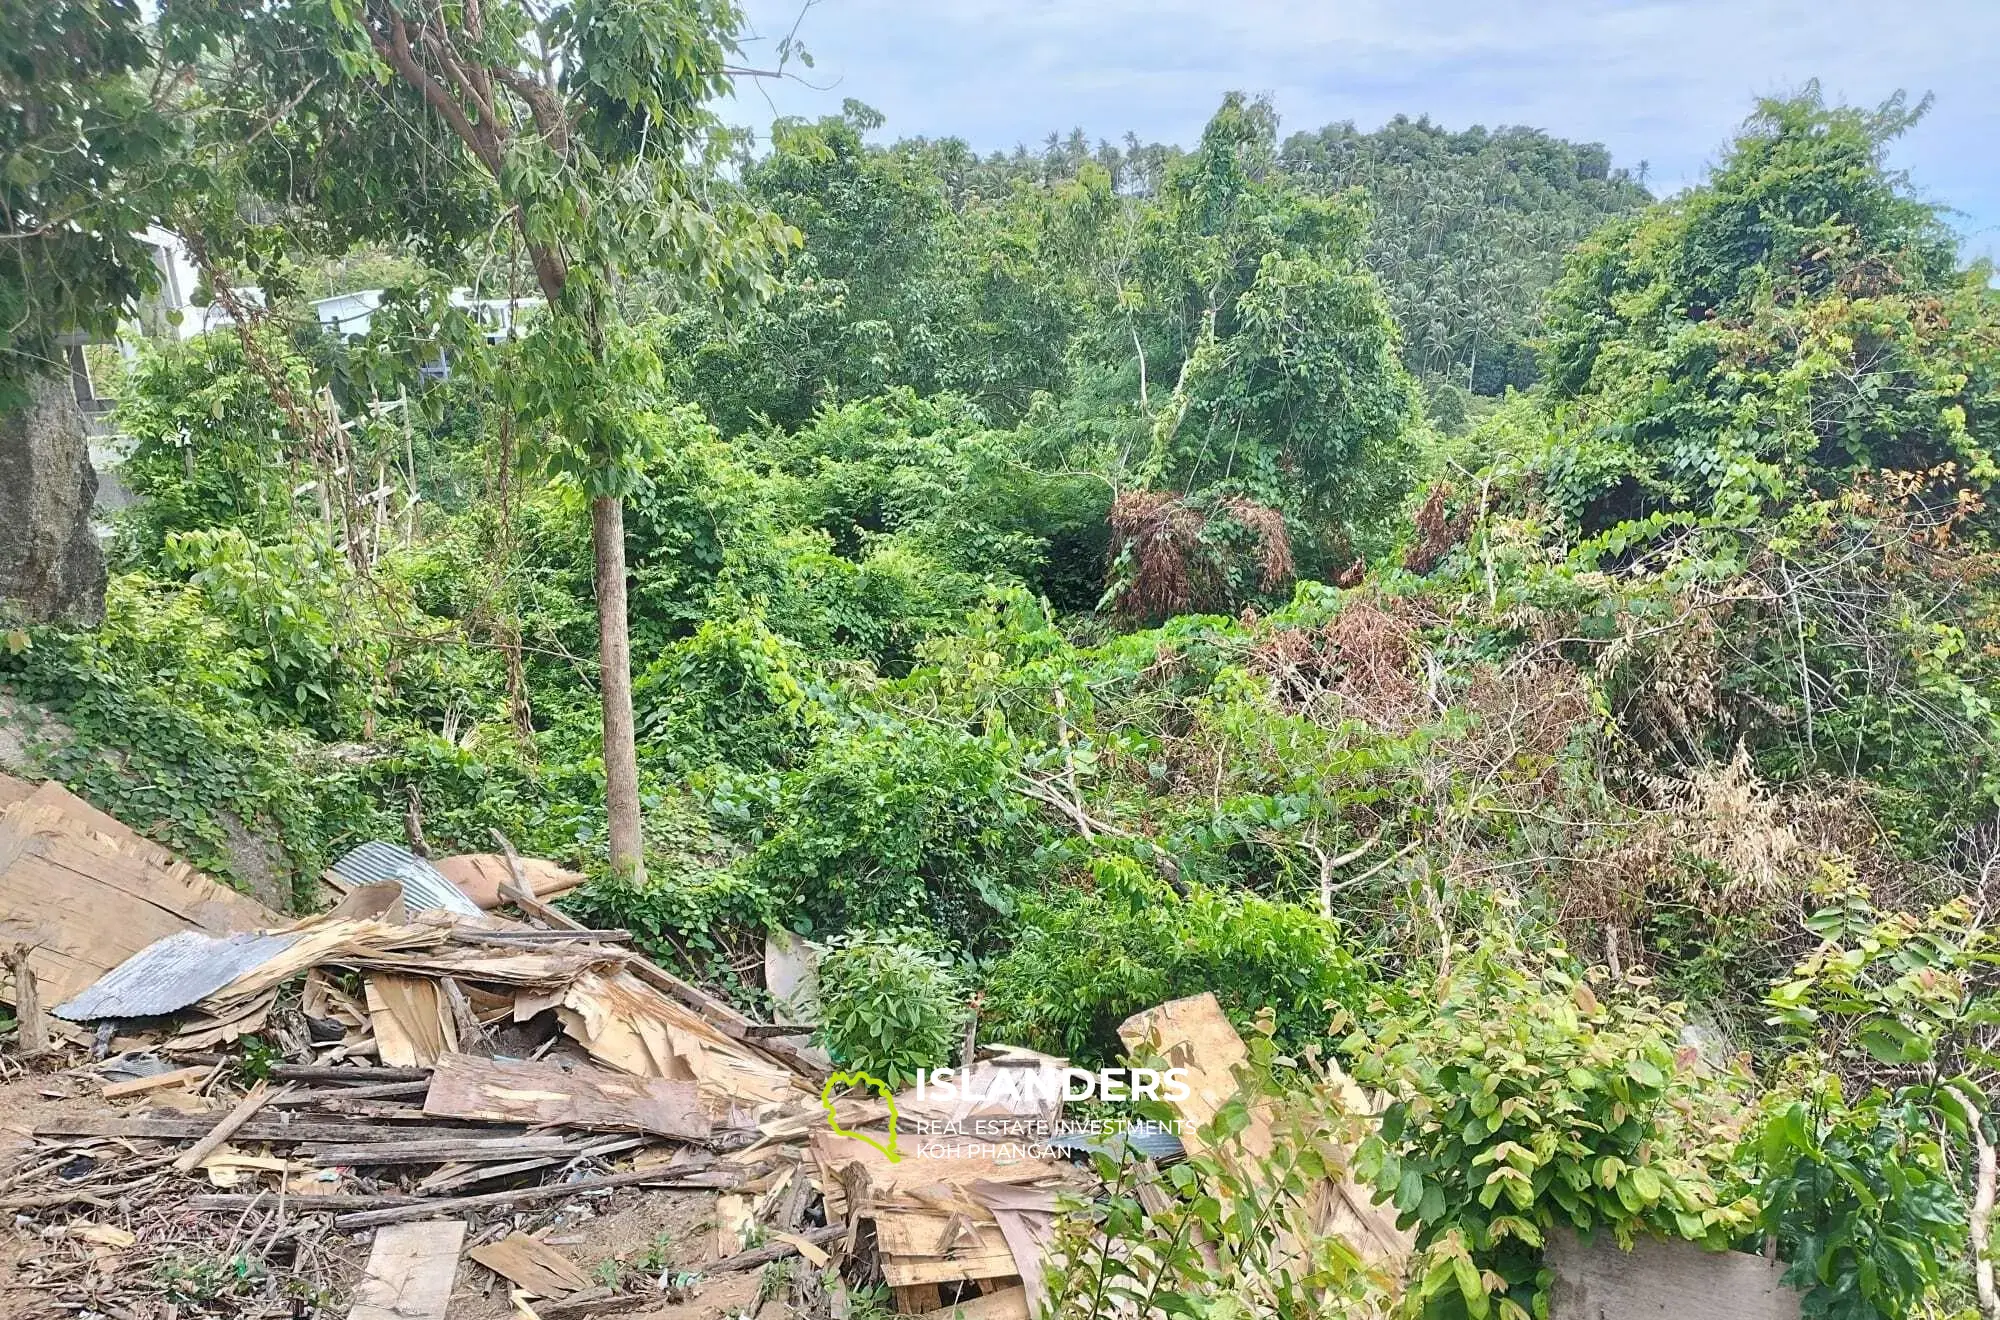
(170, 309)
(351, 314)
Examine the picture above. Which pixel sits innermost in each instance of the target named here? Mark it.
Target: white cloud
(1664, 81)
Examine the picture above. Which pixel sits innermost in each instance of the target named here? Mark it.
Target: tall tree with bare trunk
(584, 126)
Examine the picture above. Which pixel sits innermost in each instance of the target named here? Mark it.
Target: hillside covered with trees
(1531, 643)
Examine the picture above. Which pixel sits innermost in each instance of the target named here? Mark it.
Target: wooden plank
(1194, 1035)
(665, 1178)
(132, 1086)
(459, 1150)
(1001, 1304)
(245, 1110)
(922, 1233)
(1659, 1278)
(88, 893)
(789, 1245)
(914, 1271)
(159, 1127)
(411, 1269)
(504, 1091)
(413, 1026)
(236, 1202)
(517, 939)
(916, 1298)
(379, 1091)
(359, 1076)
(917, 1170)
(532, 1264)
(733, 1224)
(1027, 1222)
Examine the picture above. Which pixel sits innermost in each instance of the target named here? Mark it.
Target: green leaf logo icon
(841, 1082)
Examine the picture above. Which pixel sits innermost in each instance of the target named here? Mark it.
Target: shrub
(1085, 960)
(888, 1006)
(889, 824)
(1860, 1202)
(1520, 1100)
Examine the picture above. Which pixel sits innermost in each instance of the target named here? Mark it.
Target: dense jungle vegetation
(1534, 644)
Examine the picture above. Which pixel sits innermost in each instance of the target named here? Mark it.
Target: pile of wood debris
(384, 1113)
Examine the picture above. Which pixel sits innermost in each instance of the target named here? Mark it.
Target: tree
(1290, 393)
(83, 145)
(583, 126)
(1796, 321)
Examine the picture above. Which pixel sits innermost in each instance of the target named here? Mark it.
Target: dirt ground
(634, 1234)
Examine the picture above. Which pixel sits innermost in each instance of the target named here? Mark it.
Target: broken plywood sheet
(634, 1028)
(413, 1022)
(1027, 1217)
(1598, 1281)
(1193, 1034)
(411, 1269)
(510, 1091)
(544, 968)
(532, 1264)
(959, 1165)
(481, 876)
(14, 790)
(88, 893)
(1019, 1087)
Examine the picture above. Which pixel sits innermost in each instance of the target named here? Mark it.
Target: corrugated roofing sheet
(168, 975)
(425, 888)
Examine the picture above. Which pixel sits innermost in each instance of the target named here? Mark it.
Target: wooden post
(31, 1029)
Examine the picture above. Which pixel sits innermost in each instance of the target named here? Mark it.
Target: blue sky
(1664, 81)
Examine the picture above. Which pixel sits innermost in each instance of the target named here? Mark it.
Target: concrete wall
(1663, 1280)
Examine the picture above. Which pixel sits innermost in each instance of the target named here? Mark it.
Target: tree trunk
(614, 654)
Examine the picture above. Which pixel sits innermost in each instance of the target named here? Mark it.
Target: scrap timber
(440, 1101)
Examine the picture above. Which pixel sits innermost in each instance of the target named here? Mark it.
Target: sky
(1660, 81)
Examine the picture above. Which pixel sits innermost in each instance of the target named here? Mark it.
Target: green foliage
(285, 604)
(193, 1278)
(1861, 1203)
(156, 722)
(1085, 959)
(207, 448)
(1900, 997)
(1233, 1229)
(1859, 1194)
(895, 288)
(889, 824)
(1291, 393)
(1469, 230)
(888, 1007)
(1793, 322)
(1521, 1100)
